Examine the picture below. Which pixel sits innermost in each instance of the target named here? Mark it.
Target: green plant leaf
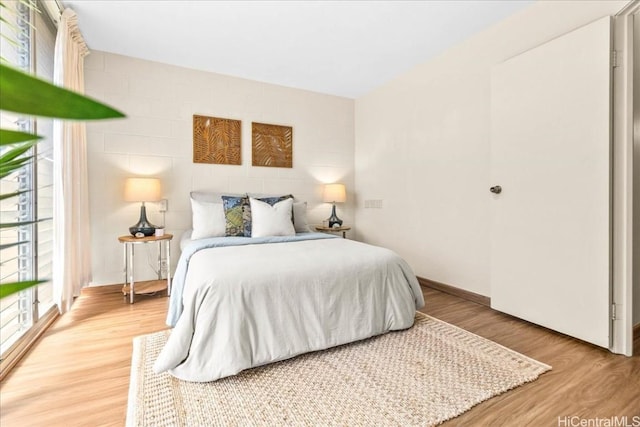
(13, 136)
(9, 40)
(14, 194)
(16, 151)
(7, 289)
(20, 223)
(15, 163)
(8, 168)
(31, 4)
(9, 245)
(26, 94)
(10, 26)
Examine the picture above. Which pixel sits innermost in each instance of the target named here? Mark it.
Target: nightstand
(164, 265)
(334, 230)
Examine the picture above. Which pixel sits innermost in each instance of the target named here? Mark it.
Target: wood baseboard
(26, 343)
(452, 290)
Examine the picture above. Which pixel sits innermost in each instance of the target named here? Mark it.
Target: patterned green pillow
(235, 210)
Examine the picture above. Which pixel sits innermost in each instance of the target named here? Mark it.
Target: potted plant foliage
(31, 96)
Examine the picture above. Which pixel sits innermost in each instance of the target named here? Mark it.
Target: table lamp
(142, 190)
(334, 193)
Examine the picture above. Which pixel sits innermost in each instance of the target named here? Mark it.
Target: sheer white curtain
(71, 237)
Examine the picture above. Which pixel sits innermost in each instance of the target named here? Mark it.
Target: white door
(550, 154)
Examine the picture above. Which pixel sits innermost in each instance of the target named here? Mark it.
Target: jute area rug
(423, 376)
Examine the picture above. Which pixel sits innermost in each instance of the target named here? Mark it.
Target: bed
(240, 302)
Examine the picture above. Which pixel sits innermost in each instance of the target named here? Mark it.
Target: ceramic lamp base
(333, 219)
(143, 226)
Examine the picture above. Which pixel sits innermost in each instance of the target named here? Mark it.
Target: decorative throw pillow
(272, 200)
(300, 217)
(208, 219)
(236, 209)
(268, 220)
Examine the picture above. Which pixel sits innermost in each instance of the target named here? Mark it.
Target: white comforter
(245, 306)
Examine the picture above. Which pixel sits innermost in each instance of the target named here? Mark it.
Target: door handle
(496, 189)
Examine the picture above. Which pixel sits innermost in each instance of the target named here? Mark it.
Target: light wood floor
(78, 374)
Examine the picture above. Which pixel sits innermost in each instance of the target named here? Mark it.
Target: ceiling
(344, 48)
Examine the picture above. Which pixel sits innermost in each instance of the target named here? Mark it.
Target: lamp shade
(142, 190)
(334, 193)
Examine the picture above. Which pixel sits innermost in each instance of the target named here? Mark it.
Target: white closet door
(550, 142)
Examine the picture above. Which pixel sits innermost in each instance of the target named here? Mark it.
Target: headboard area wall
(156, 140)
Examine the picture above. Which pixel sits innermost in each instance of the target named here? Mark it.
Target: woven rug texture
(422, 376)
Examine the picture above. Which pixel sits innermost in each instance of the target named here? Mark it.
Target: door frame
(622, 182)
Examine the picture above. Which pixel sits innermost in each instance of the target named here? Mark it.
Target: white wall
(156, 140)
(422, 146)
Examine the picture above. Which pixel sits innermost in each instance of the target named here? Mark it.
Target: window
(34, 36)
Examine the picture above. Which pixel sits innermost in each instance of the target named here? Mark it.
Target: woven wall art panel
(272, 145)
(216, 140)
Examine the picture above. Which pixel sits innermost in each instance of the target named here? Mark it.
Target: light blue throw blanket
(178, 282)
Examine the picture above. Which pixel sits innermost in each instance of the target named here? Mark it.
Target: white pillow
(208, 219)
(267, 220)
(300, 217)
